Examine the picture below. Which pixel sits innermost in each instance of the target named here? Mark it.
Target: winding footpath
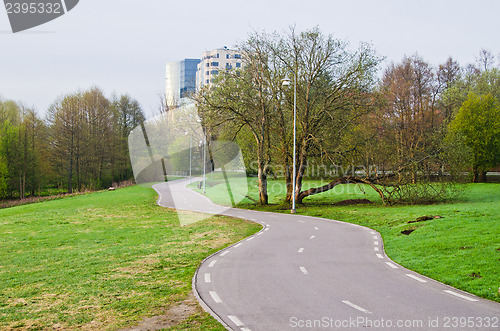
(310, 273)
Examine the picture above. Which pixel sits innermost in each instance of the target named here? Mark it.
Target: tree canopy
(477, 126)
(82, 144)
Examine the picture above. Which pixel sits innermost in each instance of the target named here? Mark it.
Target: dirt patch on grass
(212, 239)
(174, 315)
(425, 218)
(407, 232)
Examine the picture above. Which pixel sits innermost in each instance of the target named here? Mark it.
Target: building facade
(214, 61)
(180, 80)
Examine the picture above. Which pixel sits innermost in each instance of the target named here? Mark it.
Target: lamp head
(285, 82)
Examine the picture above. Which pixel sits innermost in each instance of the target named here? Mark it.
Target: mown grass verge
(461, 249)
(103, 261)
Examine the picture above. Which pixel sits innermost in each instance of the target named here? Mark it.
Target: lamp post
(204, 163)
(190, 157)
(287, 82)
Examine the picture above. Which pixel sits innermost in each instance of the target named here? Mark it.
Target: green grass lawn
(103, 261)
(461, 249)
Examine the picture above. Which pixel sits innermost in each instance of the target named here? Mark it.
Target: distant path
(302, 271)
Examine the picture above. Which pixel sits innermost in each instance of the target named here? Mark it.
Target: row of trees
(81, 144)
(412, 126)
(418, 124)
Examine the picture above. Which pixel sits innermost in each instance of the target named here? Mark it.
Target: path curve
(302, 272)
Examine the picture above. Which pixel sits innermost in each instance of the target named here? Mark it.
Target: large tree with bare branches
(334, 91)
(333, 84)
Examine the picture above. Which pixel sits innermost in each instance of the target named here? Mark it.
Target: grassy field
(461, 249)
(103, 261)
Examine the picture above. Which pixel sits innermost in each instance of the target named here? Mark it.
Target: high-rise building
(180, 80)
(214, 61)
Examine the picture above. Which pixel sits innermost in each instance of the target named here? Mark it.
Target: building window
(227, 56)
(238, 65)
(207, 73)
(217, 55)
(214, 64)
(207, 81)
(207, 64)
(237, 56)
(214, 72)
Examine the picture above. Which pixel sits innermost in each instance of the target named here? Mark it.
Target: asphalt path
(311, 273)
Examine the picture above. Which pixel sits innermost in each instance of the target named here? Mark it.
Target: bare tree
(485, 60)
(412, 116)
(66, 131)
(334, 88)
(448, 73)
(333, 92)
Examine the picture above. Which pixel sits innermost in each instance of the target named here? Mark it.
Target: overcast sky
(122, 45)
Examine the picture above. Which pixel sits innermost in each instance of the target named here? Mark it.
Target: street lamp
(190, 158)
(204, 142)
(286, 82)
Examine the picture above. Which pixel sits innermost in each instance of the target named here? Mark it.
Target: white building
(173, 83)
(214, 61)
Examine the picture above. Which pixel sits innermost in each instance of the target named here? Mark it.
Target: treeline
(421, 123)
(418, 124)
(80, 145)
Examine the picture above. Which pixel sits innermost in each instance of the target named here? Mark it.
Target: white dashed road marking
(380, 256)
(460, 295)
(207, 278)
(356, 307)
(376, 243)
(224, 253)
(417, 278)
(212, 263)
(301, 250)
(236, 320)
(393, 266)
(215, 297)
(312, 237)
(238, 245)
(375, 249)
(304, 271)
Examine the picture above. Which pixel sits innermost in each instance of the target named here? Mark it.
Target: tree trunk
(262, 171)
(288, 181)
(342, 180)
(321, 189)
(70, 170)
(475, 175)
(482, 177)
(301, 168)
(263, 197)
